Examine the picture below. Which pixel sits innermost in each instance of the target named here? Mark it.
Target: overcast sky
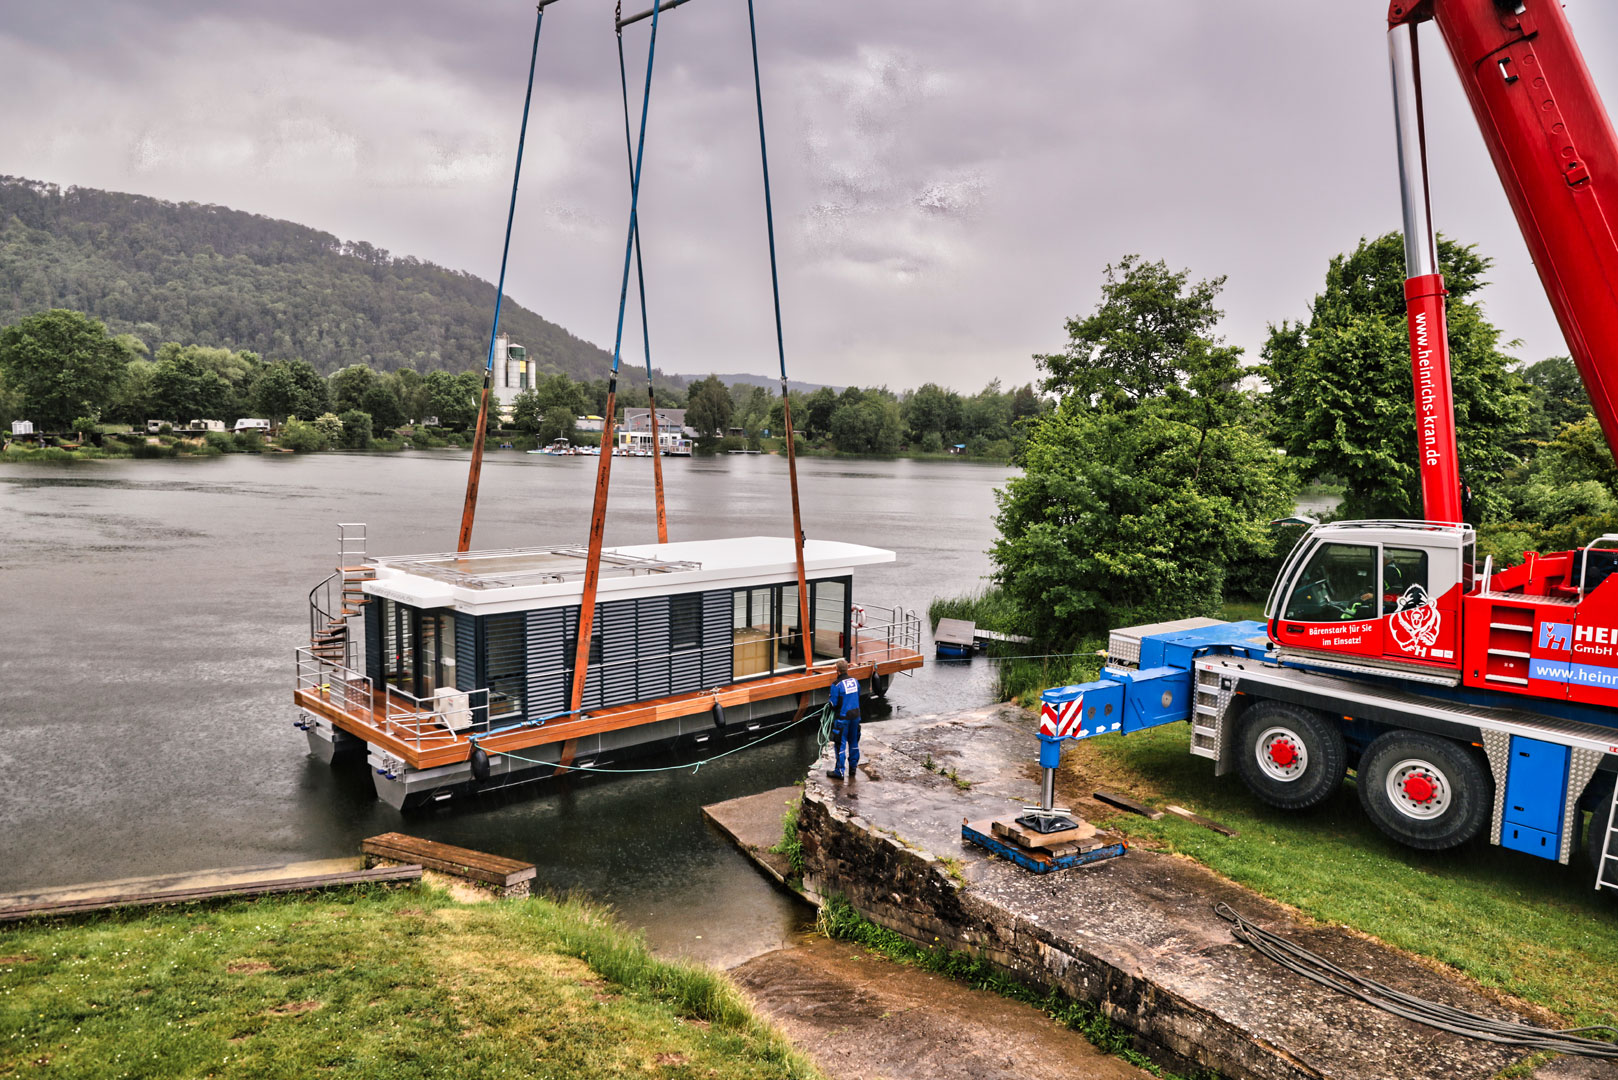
(950, 178)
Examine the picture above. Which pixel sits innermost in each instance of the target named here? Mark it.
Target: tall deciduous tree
(1141, 338)
(709, 408)
(62, 364)
(289, 388)
(1131, 515)
(1342, 390)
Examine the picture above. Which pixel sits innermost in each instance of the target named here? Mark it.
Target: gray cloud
(950, 178)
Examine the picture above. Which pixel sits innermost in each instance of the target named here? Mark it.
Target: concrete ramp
(1137, 934)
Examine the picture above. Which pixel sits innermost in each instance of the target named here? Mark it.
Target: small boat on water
(451, 673)
(558, 448)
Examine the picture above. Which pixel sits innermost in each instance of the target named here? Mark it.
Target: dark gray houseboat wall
(644, 647)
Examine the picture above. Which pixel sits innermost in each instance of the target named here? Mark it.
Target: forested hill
(208, 275)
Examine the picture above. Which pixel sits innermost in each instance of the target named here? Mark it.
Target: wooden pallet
(508, 877)
(211, 892)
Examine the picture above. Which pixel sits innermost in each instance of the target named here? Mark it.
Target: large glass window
(418, 648)
(1404, 578)
(831, 618)
(753, 631)
(1337, 583)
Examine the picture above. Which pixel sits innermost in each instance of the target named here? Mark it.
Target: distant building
(589, 423)
(22, 427)
(640, 420)
(512, 373)
(248, 423)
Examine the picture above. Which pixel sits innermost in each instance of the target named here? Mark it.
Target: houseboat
(453, 673)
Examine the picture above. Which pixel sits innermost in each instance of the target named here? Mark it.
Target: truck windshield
(1339, 582)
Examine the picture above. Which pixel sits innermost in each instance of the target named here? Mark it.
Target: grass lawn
(1531, 928)
(393, 983)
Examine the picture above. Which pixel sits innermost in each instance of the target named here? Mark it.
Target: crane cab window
(1404, 578)
(1337, 583)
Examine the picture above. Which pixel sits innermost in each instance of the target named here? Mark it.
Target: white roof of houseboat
(518, 579)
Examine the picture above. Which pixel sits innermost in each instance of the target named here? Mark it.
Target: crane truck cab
(1378, 595)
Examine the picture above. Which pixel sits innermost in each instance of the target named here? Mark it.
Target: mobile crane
(1464, 697)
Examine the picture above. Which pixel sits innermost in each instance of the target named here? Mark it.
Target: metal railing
(447, 717)
(885, 633)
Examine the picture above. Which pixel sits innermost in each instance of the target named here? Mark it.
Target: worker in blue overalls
(845, 728)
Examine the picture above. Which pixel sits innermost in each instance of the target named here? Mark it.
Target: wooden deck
(421, 742)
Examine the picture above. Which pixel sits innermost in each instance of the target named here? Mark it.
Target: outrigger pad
(1040, 862)
(1041, 824)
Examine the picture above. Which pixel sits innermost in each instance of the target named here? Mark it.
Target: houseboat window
(753, 625)
(829, 599)
(399, 645)
(1338, 583)
(505, 656)
(418, 648)
(791, 653)
(437, 652)
(685, 621)
(1403, 569)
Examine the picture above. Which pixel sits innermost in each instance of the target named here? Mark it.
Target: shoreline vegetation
(64, 378)
(386, 982)
(117, 442)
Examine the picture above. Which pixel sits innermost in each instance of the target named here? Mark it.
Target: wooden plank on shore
(212, 892)
(449, 859)
(1124, 802)
(1198, 819)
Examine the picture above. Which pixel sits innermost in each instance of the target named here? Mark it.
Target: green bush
(357, 432)
(222, 441)
(301, 437)
(249, 442)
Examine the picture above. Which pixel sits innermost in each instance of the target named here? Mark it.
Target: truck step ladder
(1205, 714)
(1607, 868)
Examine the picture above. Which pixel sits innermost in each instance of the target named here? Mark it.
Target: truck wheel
(1428, 793)
(1290, 757)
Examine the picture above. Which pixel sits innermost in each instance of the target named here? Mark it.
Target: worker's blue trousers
(845, 733)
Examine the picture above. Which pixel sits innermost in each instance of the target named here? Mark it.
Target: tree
(557, 423)
(1131, 515)
(871, 426)
(62, 364)
(819, 407)
(1141, 337)
(1558, 396)
(181, 388)
(931, 409)
(349, 385)
(710, 406)
(330, 427)
(381, 400)
(527, 412)
(1342, 390)
(289, 388)
(450, 398)
(357, 433)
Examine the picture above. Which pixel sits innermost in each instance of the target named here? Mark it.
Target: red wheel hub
(1283, 753)
(1419, 789)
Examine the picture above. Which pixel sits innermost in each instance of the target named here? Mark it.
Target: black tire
(1289, 756)
(1428, 793)
(1596, 838)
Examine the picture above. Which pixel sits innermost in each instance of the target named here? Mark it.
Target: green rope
(823, 736)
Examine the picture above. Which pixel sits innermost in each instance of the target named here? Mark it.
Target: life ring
(859, 617)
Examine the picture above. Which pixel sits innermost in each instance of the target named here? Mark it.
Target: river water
(151, 609)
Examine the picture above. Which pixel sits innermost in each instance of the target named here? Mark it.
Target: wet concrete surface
(1137, 934)
(754, 823)
(862, 1016)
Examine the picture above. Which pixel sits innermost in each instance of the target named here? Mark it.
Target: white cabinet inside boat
(670, 619)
